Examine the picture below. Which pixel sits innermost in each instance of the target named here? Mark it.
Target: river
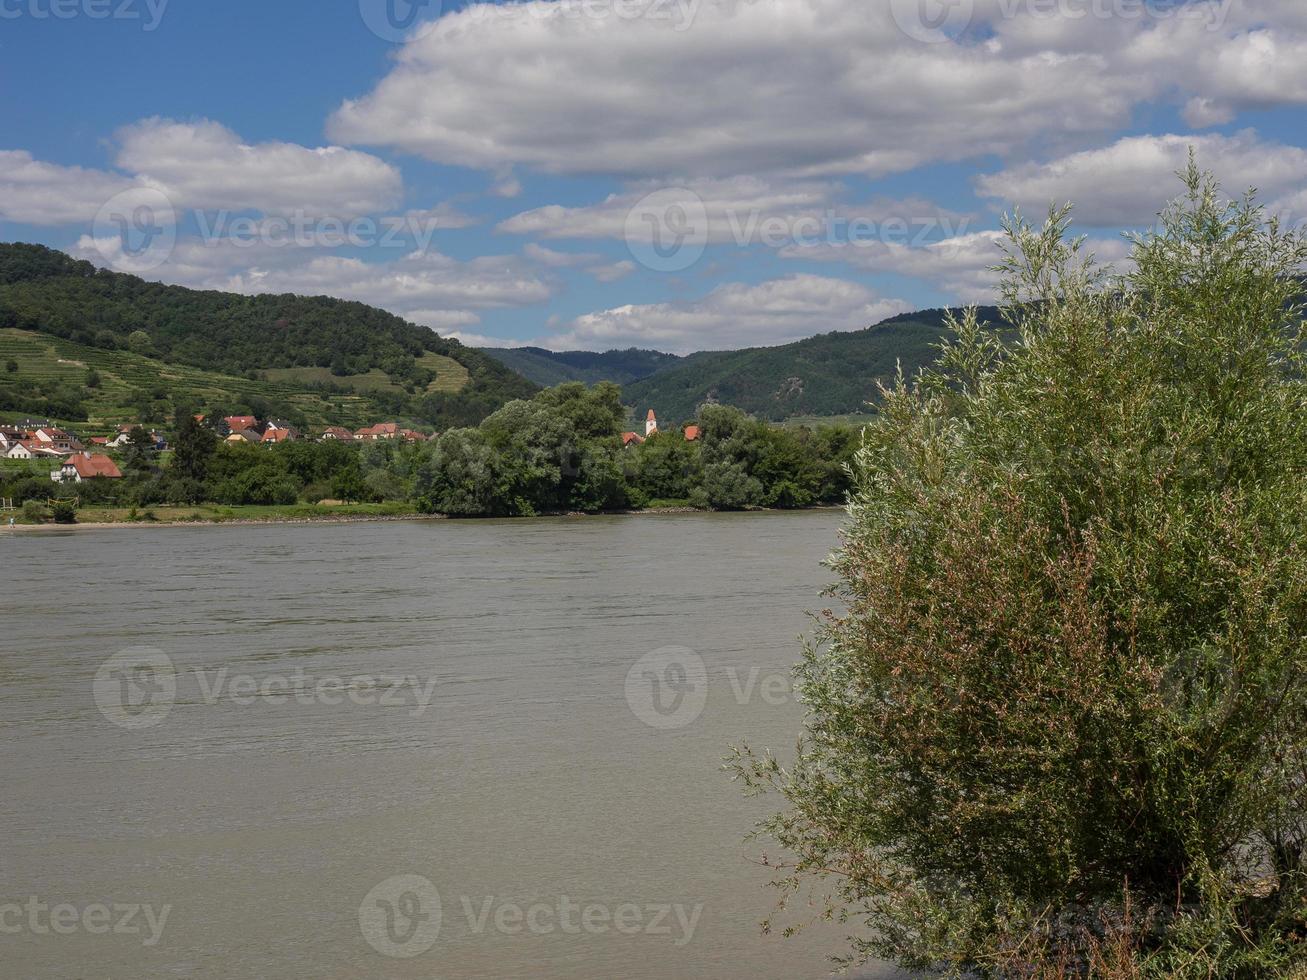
(429, 749)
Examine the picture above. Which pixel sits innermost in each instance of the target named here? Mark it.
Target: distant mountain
(547, 368)
(328, 348)
(831, 374)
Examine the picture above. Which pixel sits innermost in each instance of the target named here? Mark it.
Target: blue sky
(677, 174)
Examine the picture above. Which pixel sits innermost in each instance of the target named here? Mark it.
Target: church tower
(651, 424)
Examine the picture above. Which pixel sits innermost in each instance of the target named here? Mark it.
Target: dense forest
(46, 291)
(547, 368)
(831, 374)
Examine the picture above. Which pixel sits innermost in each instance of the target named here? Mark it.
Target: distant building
(239, 423)
(57, 439)
(285, 434)
(631, 439)
(650, 424)
(337, 434)
(691, 433)
(382, 430)
(86, 466)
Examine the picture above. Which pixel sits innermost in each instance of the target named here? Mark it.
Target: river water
(431, 749)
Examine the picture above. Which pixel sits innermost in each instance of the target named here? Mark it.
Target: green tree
(138, 453)
(1061, 729)
(139, 342)
(193, 448)
(11, 366)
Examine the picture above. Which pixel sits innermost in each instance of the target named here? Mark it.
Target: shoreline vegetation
(212, 516)
(567, 450)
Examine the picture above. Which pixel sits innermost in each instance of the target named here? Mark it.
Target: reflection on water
(442, 723)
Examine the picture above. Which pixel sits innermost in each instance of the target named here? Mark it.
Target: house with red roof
(382, 430)
(336, 433)
(86, 466)
(691, 433)
(631, 439)
(57, 439)
(285, 434)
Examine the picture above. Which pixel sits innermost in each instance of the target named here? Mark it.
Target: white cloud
(612, 272)
(205, 165)
(734, 208)
(731, 316)
(804, 86)
(39, 193)
(959, 267)
(426, 287)
(556, 259)
(1128, 183)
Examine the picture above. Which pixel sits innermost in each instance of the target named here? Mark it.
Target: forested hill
(548, 368)
(316, 340)
(831, 374)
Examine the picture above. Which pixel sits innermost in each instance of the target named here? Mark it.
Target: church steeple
(651, 424)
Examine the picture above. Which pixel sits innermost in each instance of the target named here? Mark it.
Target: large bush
(1061, 727)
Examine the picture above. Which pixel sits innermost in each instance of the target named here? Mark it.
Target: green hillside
(52, 377)
(831, 374)
(547, 368)
(305, 351)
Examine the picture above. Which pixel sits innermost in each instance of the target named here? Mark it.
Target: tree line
(559, 451)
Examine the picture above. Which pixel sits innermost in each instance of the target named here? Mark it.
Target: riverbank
(244, 516)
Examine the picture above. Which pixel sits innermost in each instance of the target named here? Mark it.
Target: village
(78, 460)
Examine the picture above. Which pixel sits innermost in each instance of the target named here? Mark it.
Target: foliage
(548, 368)
(1061, 729)
(64, 511)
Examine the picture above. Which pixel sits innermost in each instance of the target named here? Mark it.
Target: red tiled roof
(238, 422)
(651, 417)
(691, 433)
(89, 466)
(630, 437)
(278, 435)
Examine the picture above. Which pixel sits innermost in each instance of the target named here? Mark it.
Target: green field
(43, 359)
(450, 376)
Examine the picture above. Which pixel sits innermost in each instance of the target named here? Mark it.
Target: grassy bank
(238, 514)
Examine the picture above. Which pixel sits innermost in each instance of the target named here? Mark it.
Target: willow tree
(1059, 726)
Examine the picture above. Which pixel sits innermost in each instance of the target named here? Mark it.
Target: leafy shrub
(1061, 729)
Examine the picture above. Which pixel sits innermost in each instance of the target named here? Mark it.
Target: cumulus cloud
(1128, 183)
(205, 165)
(427, 287)
(961, 267)
(39, 193)
(804, 87)
(732, 315)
